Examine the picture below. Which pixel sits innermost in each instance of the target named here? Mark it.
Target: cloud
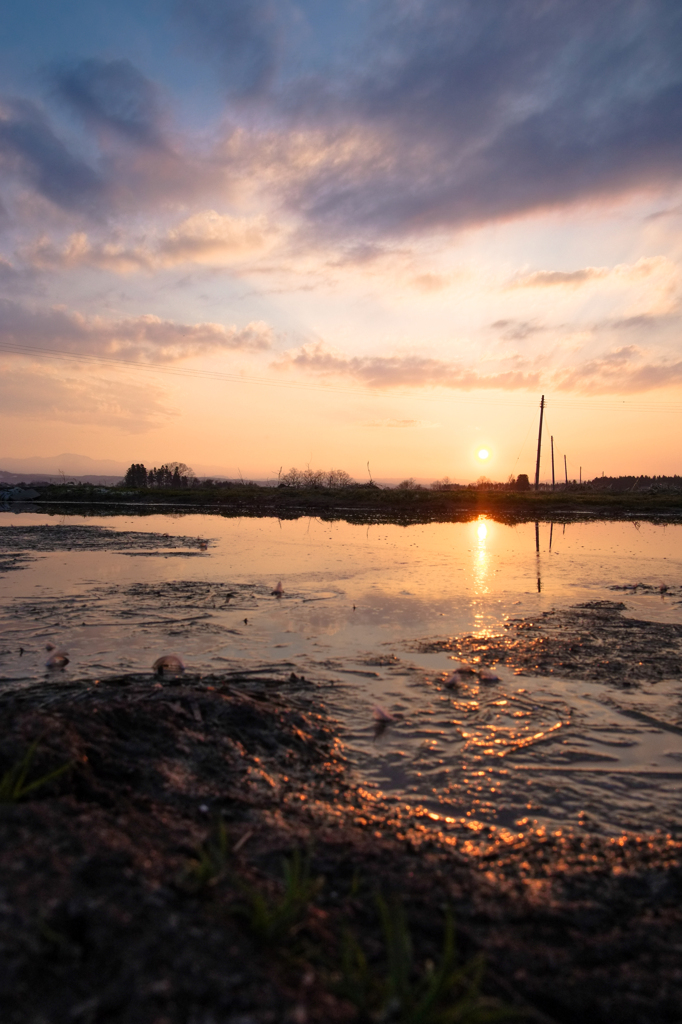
(206, 237)
(643, 321)
(437, 115)
(30, 149)
(132, 162)
(244, 37)
(456, 112)
(400, 424)
(549, 278)
(517, 330)
(143, 338)
(429, 282)
(412, 371)
(66, 397)
(623, 273)
(112, 95)
(622, 371)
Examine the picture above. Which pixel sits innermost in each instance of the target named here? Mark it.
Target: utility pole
(537, 464)
(552, 440)
(566, 470)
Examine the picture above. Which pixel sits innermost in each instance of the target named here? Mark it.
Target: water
(522, 754)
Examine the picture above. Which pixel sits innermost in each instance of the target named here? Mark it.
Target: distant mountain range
(69, 464)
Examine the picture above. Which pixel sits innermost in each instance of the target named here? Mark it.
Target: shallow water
(521, 754)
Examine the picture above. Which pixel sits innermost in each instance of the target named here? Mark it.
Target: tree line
(172, 474)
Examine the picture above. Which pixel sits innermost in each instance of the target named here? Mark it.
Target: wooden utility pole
(537, 464)
(552, 440)
(566, 470)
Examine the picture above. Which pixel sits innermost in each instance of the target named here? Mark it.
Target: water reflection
(480, 575)
(510, 752)
(537, 555)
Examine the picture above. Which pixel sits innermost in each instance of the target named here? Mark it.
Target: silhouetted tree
(172, 474)
(136, 476)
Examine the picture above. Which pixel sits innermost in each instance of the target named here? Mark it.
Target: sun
(483, 454)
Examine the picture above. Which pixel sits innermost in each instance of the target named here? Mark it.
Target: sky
(254, 234)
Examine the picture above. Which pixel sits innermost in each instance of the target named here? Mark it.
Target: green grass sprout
(448, 992)
(212, 860)
(13, 784)
(272, 919)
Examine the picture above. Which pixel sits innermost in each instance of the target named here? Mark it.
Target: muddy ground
(146, 883)
(20, 544)
(588, 641)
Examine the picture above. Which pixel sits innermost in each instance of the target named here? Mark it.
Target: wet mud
(592, 641)
(130, 884)
(106, 917)
(20, 544)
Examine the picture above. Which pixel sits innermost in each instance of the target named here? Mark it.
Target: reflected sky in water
(522, 753)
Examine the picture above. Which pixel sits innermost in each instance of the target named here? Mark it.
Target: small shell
(279, 590)
(486, 675)
(57, 660)
(169, 663)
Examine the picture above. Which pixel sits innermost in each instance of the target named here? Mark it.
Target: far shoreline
(360, 504)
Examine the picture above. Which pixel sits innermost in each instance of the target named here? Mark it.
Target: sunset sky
(247, 234)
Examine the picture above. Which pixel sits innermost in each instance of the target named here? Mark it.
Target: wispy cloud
(623, 273)
(551, 278)
(411, 371)
(30, 149)
(112, 96)
(206, 237)
(466, 113)
(392, 424)
(64, 397)
(518, 330)
(623, 371)
(145, 338)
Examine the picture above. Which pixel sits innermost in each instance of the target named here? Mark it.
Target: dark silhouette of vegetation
(136, 475)
(172, 474)
(332, 479)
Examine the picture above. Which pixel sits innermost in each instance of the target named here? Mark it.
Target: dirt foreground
(208, 858)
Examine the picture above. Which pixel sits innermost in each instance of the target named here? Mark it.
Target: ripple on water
(582, 730)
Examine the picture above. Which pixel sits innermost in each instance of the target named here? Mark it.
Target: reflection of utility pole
(537, 463)
(537, 554)
(552, 440)
(551, 531)
(566, 470)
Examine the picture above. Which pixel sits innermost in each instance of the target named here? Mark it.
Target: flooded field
(582, 729)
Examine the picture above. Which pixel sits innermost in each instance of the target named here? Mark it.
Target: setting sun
(483, 454)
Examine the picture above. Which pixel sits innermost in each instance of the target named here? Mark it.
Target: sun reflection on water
(481, 569)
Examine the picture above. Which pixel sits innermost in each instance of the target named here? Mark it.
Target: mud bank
(593, 640)
(145, 884)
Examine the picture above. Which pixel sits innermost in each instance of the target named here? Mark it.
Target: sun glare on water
(483, 454)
